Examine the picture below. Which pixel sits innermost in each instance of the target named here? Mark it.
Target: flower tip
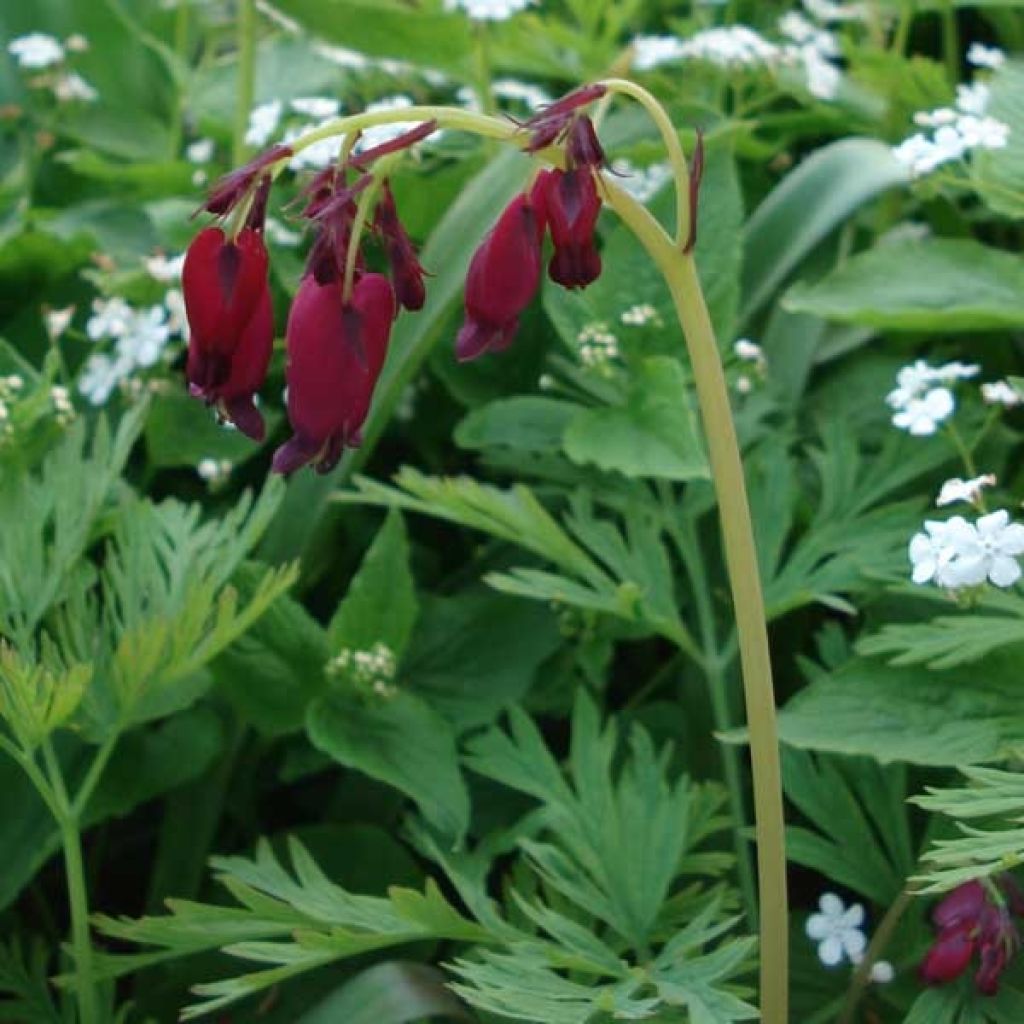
(292, 455)
(242, 412)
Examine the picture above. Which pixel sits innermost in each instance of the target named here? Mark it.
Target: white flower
(639, 315)
(263, 122)
(214, 471)
(73, 86)
(36, 50)
(837, 930)
(823, 78)
(749, 351)
(961, 554)
(76, 43)
(955, 490)
(101, 375)
(881, 972)
(973, 98)
(200, 151)
(488, 10)
(1001, 392)
(992, 552)
(316, 106)
(165, 269)
(736, 45)
(110, 319)
(922, 416)
(650, 52)
(144, 340)
(532, 96)
(316, 157)
(58, 321)
(982, 56)
(956, 370)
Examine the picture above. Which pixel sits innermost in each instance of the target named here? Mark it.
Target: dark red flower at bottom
(571, 204)
(970, 920)
(335, 354)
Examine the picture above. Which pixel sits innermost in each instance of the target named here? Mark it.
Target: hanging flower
(570, 205)
(502, 279)
(406, 272)
(335, 354)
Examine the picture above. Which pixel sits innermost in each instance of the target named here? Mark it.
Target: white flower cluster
(511, 89)
(750, 352)
(826, 11)
(922, 398)
(955, 554)
(140, 336)
(373, 669)
(9, 388)
(739, 46)
(598, 347)
(955, 131)
(62, 405)
(1001, 392)
(214, 471)
(40, 52)
(640, 315)
(642, 183)
(488, 10)
(982, 56)
(839, 933)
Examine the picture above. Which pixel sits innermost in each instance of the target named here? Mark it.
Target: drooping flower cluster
(957, 554)
(953, 132)
(839, 933)
(975, 920)
(340, 322)
(922, 398)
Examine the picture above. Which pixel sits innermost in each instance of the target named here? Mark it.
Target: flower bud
(406, 272)
(335, 355)
(502, 279)
(949, 956)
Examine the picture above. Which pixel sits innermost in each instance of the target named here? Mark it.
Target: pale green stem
(93, 775)
(680, 274)
(78, 898)
(482, 60)
(246, 71)
(358, 223)
(963, 451)
(950, 41)
(181, 52)
(875, 949)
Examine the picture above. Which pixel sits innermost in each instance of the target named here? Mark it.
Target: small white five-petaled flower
(957, 553)
(964, 490)
(837, 930)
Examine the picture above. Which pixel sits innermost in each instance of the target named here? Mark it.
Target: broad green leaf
(810, 202)
(999, 173)
(446, 254)
(527, 423)
(477, 652)
(402, 741)
(922, 716)
(942, 285)
(380, 606)
(654, 434)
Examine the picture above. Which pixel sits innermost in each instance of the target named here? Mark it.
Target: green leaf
(526, 423)
(921, 716)
(273, 671)
(654, 434)
(380, 606)
(394, 992)
(402, 741)
(810, 202)
(477, 652)
(942, 285)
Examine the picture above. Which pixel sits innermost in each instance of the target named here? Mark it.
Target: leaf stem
(680, 274)
(246, 70)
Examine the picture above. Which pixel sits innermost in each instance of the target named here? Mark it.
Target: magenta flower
(970, 921)
(503, 277)
(571, 204)
(406, 272)
(335, 354)
(231, 323)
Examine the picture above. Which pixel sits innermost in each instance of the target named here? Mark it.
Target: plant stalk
(680, 274)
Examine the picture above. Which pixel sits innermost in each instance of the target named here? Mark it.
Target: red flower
(231, 322)
(571, 204)
(970, 921)
(335, 354)
(502, 279)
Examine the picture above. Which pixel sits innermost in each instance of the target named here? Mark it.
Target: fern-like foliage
(996, 798)
(613, 908)
(25, 993)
